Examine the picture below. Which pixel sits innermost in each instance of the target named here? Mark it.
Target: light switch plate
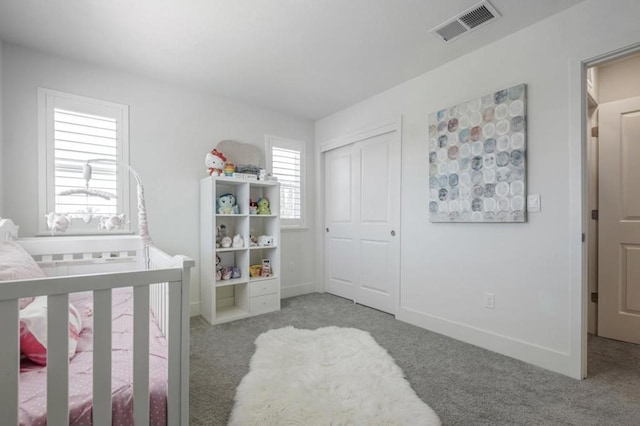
(533, 203)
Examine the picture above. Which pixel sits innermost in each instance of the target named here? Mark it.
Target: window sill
(84, 234)
(294, 228)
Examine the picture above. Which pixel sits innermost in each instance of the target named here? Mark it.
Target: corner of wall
(1, 139)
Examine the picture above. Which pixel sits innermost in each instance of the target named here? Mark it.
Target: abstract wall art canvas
(477, 159)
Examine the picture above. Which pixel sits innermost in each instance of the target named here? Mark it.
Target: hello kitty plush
(215, 161)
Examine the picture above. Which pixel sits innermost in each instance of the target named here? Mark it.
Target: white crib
(99, 264)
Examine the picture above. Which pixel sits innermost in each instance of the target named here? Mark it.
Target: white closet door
(341, 227)
(362, 231)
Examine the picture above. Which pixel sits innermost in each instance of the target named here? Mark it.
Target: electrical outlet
(489, 301)
(292, 266)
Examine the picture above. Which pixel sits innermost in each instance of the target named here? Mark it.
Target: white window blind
(72, 130)
(80, 137)
(286, 162)
(286, 166)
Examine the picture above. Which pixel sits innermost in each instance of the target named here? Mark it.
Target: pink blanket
(33, 392)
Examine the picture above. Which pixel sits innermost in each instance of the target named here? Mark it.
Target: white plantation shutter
(286, 167)
(80, 137)
(72, 130)
(286, 161)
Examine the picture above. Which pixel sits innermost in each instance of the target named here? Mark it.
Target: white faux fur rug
(329, 376)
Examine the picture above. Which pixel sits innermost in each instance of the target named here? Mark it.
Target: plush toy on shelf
(253, 240)
(225, 242)
(263, 206)
(238, 241)
(235, 272)
(227, 272)
(221, 232)
(227, 204)
(253, 207)
(265, 240)
(215, 161)
(218, 268)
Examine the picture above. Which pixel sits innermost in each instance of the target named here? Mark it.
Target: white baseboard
(194, 309)
(297, 290)
(547, 358)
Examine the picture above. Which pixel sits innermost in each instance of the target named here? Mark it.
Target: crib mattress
(33, 396)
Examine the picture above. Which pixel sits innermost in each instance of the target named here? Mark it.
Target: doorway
(613, 198)
(362, 218)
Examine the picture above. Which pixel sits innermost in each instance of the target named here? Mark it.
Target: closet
(362, 217)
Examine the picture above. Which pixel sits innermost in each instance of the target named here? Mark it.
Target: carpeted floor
(464, 384)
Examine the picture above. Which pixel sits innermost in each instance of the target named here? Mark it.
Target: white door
(362, 232)
(619, 227)
(341, 229)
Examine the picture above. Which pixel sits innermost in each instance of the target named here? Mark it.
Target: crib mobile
(60, 222)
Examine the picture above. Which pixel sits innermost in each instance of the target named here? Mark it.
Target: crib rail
(172, 272)
(176, 401)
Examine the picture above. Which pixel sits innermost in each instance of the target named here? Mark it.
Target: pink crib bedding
(33, 395)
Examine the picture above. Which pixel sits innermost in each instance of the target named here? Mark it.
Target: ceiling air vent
(470, 19)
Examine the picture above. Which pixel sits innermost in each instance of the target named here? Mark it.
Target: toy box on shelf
(232, 238)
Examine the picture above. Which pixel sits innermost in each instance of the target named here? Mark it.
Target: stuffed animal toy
(215, 161)
(225, 242)
(238, 241)
(111, 223)
(265, 240)
(253, 207)
(235, 272)
(218, 268)
(221, 232)
(263, 206)
(226, 273)
(57, 222)
(227, 204)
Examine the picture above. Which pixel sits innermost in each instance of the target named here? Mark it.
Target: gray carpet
(464, 384)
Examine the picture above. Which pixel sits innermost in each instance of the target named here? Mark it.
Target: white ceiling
(308, 58)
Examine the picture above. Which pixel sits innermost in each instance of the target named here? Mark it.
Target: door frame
(338, 142)
(578, 194)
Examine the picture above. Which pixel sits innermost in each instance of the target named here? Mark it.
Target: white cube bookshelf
(228, 300)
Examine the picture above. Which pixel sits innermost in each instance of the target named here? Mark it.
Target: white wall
(1, 141)
(171, 130)
(534, 269)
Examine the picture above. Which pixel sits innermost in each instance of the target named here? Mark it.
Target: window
(74, 130)
(286, 161)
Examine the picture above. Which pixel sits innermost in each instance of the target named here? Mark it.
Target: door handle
(393, 233)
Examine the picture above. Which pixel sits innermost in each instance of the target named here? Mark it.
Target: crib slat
(102, 348)
(58, 359)
(9, 362)
(175, 363)
(141, 355)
